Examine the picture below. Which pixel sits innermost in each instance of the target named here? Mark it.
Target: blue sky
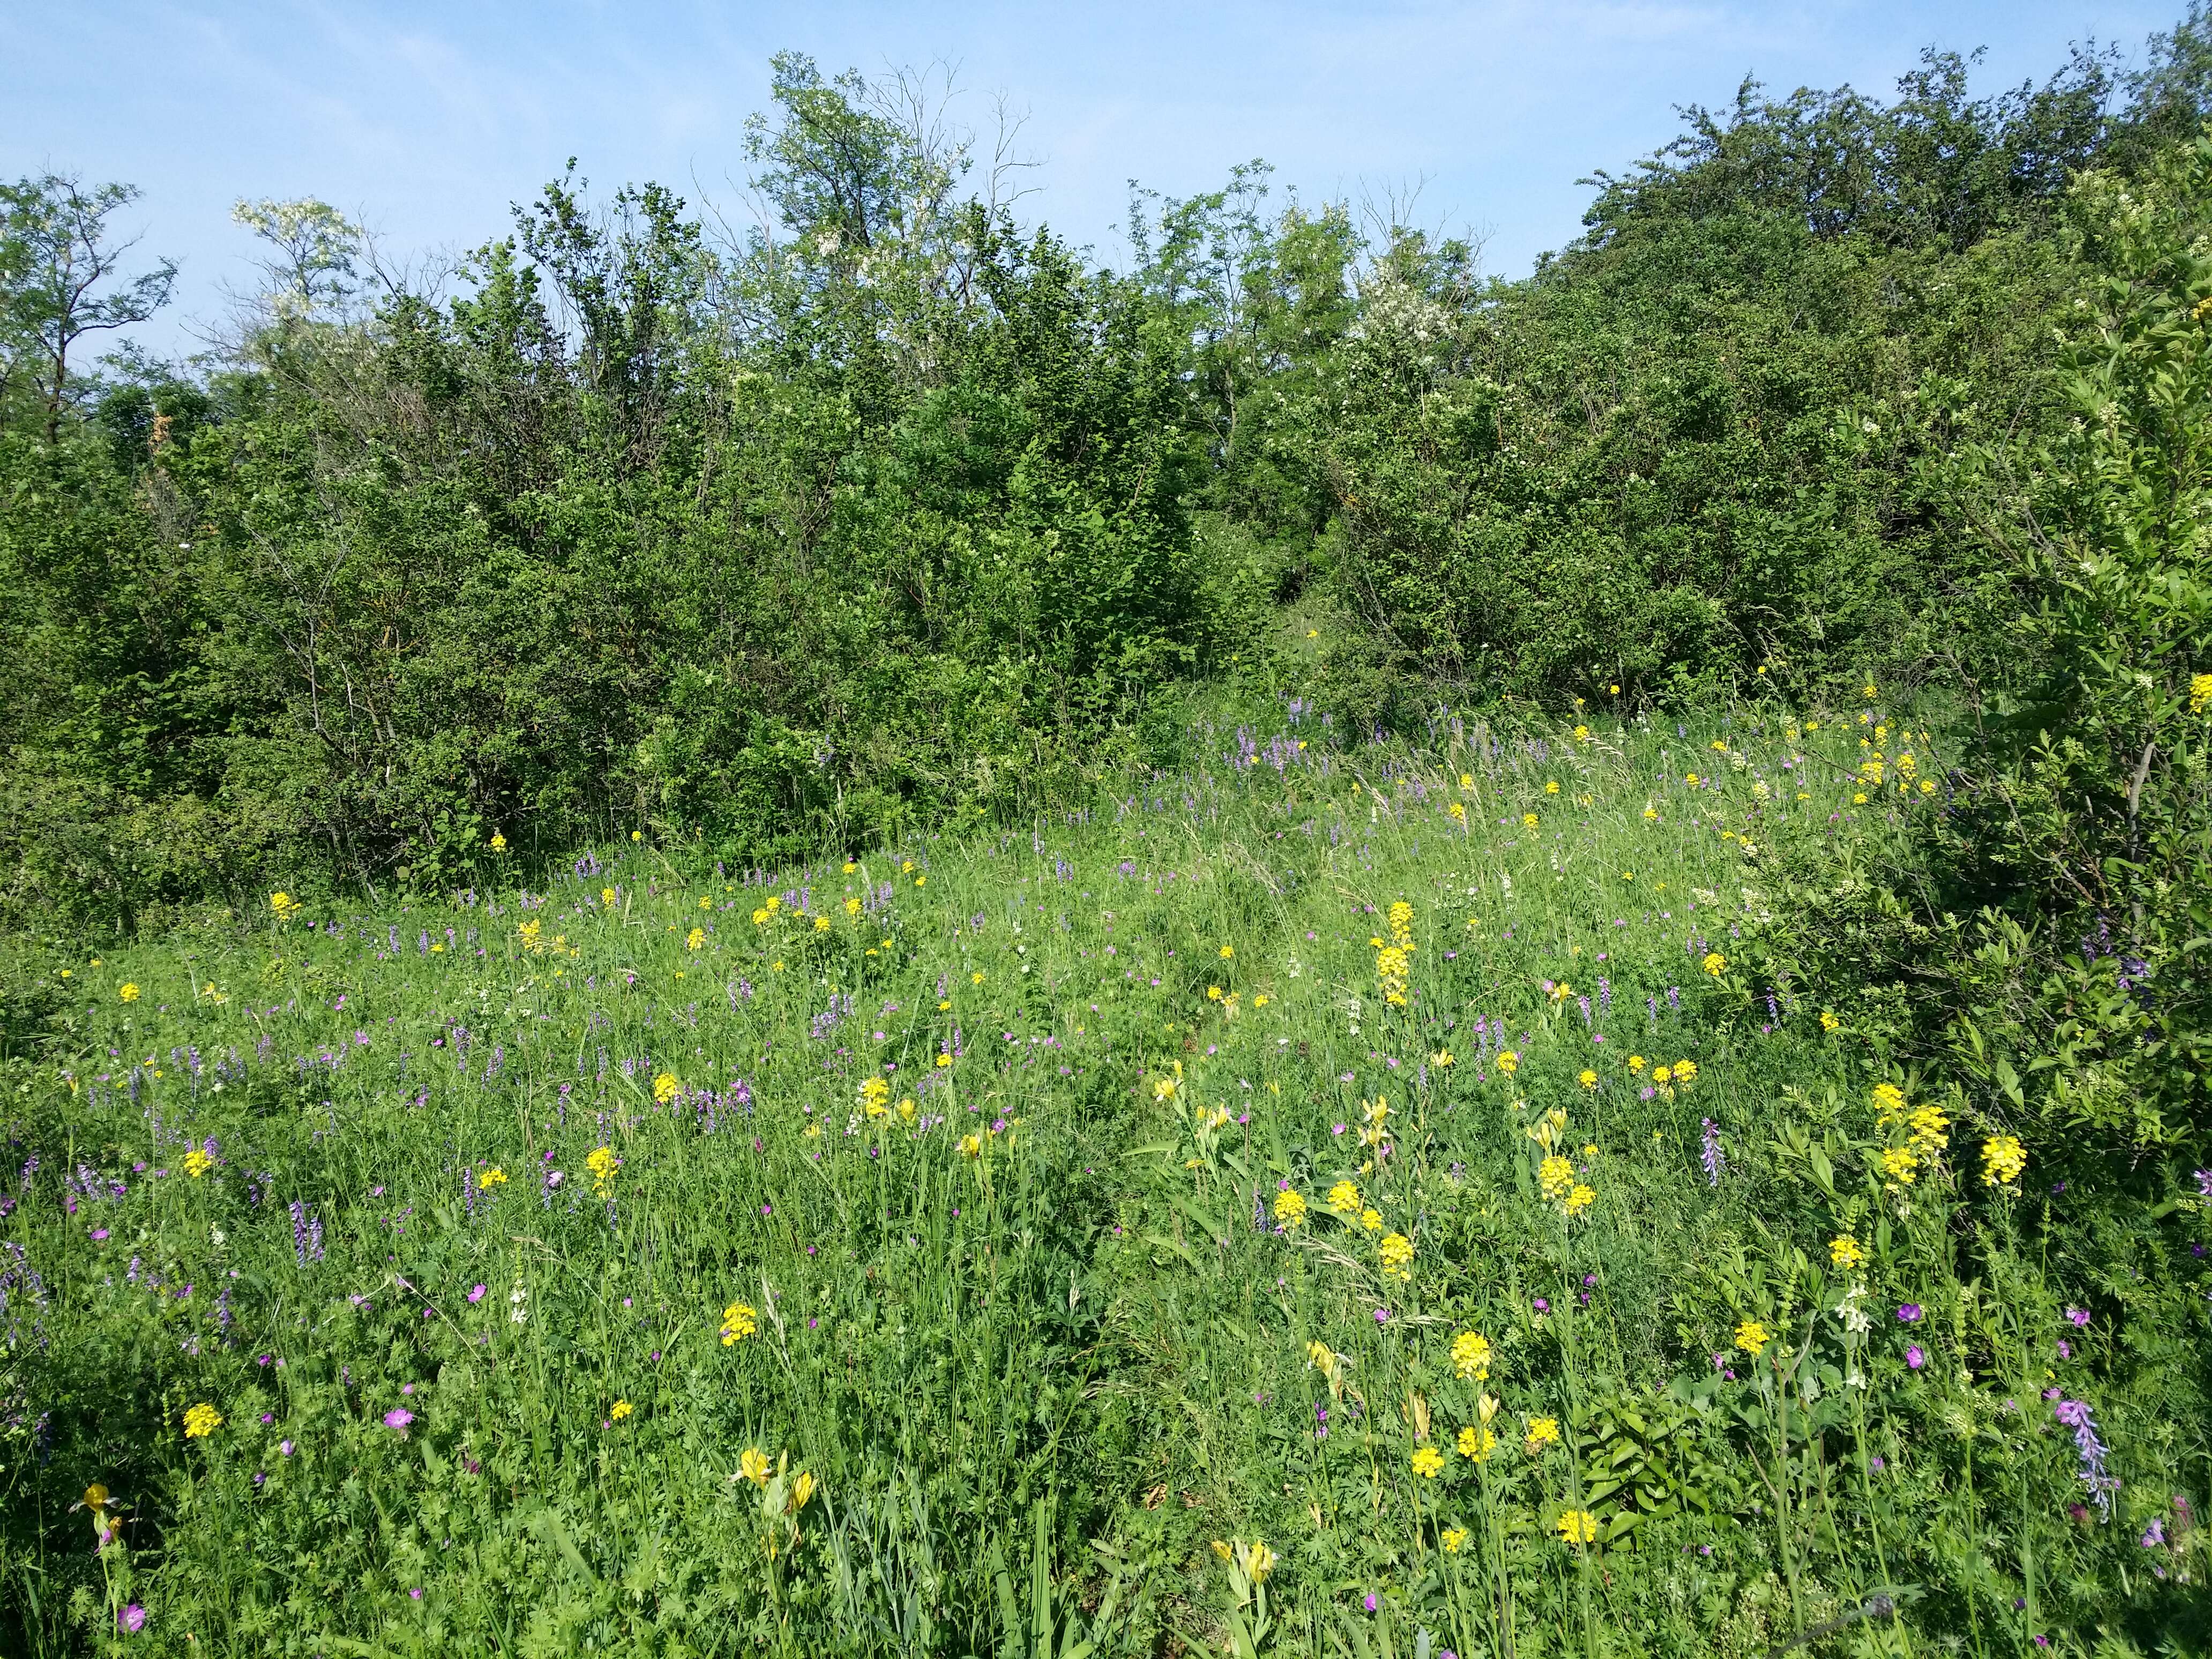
(428, 120)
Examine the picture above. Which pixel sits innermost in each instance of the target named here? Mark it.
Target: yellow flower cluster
(198, 1163)
(1397, 1256)
(1556, 1176)
(1344, 1198)
(1543, 1431)
(2200, 693)
(1255, 1560)
(2003, 1159)
(875, 1096)
(201, 1421)
(1393, 960)
(1476, 1444)
(1751, 1336)
(1290, 1208)
(490, 1178)
(1428, 1463)
(1844, 1251)
(1471, 1356)
(603, 1163)
(1578, 1526)
(739, 1322)
(666, 1087)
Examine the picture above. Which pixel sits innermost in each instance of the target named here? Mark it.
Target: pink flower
(477, 1293)
(1914, 1356)
(399, 1418)
(131, 1619)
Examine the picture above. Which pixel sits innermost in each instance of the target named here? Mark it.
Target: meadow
(1346, 1196)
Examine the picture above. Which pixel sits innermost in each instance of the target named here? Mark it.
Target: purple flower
(2204, 1183)
(1542, 1306)
(475, 1293)
(1914, 1356)
(1381, 1316)
(2076, 1415)
(284, 1448)
(2078, 1317)
(399, 1418)
(1368, 1601)
(1710, 1155)
(2153, 1534)
(1909, 1314)
(131, 1619)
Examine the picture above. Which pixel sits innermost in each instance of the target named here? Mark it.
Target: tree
(62, 278)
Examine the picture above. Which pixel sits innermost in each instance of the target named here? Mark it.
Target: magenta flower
(399, 1418)
(1909, 1314)
(2079, 1317)
(1914, 1356)
(475, 1293)
(131, 1619)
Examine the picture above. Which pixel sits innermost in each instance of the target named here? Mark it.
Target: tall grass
(897, 1254)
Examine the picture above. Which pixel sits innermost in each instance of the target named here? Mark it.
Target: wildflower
(1542, 1431)
(1555, 1175)
(128, 993)
(666, 1087)
(1397, 1256)
(1898, 1163)
(1843, 1251)
(1442, 1059)
(397, 1418)
(1715, 965)
(1371, 1219)
(1476, 1444)
(1508, 1063)
(695, 939)
(2200, 693)
(1344, 1198)
(1578, 1526)
(1888, 1103)
(1914, 1355)
(1255, 1560)
(1454, 1538)
(1829, 1022)
(518, 1301)
(1930, 1132)
(619, 1410)
(1662, 1075)
(1910, 1314)
(1636, 1062)
(284, 904)
(1685, 1072)
(1471, 1355)
(498, 841)
(607, 898)
(971, 1145)
(1650, 813)
(1527, 820)
(1580, 1198)
(201, 1421)
(2003, 1159)
(130, 1619)
(198, 1163)
(2076, 1415)
(1428, 1463)
(752, 1463)
(1290, 1208)
(1458, 812)
(490, 1178)
(1751, 1336)
(1588, 1079)
(603, 1163)
(739, 1321)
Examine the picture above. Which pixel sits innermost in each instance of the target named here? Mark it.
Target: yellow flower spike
(1844, 1251)
(1542, 1432)
(1751, 1336)
(1578, 1526)
(1454, 1539)
(1471, 1354)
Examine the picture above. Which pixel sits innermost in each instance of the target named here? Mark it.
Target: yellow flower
(906, 1109)
(1582, 734)
(976, 978)
(1508, 1063)
(1650, 813)
(943, 1061)
(1290, 1208)
(603, 1163)
(607, 898)
(128, 993)
(1898, 1163)
(1397, 1256)
(1555, 1175)
(1476, 1444)
(1829, 1022)
(739, 1322)
(1578, 1526)
(1458, 812)
(201, 1421)
(1213, 994)
(754, 1465)
(1527, 820)
(694, 939)
(2200, 693)
(2003, 1159)
(971, 1145)
(666, 1088)
(850, 866)
(1636, 1062)
(198, 1163)
(498, 841)
(619, 1410)
(1371, 1219)
(1751, 1336)
(1843, 1251)
(1685, 1071)
(1344, 1198)
(1716, 963)
(1542, 1431)
(1580, 1199)
(1227, 951)
(1454, 1538)
(1255, 1560)
(1588, 1079)
(1428, 1463)
(490, 1178)
(1471, 1356)
(802, 1485)
(1552, 788)
(1888, 1103)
